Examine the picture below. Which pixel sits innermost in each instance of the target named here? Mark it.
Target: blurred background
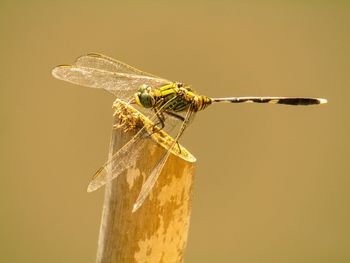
(272, 181)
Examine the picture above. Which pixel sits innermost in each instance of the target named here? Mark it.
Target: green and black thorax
(175, 97)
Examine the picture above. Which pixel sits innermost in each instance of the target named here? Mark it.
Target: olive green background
(272, 182)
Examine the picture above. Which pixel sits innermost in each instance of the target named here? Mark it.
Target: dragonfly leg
(159, 114)
(177, 116)
(178, 146)
(161, 119)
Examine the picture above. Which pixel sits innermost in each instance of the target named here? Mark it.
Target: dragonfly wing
(173, 123)
(150, 182)
(124, 158)
(152, 178)
(114, 82)
(99, 61)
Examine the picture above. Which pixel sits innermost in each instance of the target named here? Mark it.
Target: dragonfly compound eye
(146, 100)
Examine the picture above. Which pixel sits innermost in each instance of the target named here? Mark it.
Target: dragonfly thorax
(175, 97)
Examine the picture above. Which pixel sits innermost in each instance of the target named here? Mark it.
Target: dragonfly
(162, 99)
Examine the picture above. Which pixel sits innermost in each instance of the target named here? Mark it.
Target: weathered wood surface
(157, 231)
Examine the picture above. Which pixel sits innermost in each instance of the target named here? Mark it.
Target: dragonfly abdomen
(201, 102)
(274, 100)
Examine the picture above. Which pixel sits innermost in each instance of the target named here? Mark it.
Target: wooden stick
(157, 231)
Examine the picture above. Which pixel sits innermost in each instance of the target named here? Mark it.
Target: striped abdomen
(274, 100)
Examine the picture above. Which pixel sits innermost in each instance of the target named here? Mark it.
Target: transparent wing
(120, 161)
(114, 82)
(124, 158)
(99, 61)
(152, 178)
(173, 124)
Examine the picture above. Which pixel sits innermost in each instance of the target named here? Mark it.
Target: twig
(157, 231)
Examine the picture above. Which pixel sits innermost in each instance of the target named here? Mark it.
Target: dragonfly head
(144, 96)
